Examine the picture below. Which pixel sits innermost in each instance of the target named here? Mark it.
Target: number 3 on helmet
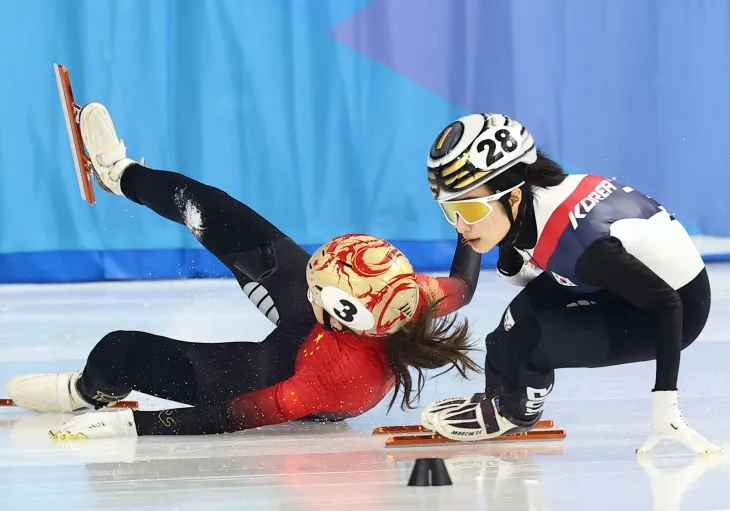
(364, 282)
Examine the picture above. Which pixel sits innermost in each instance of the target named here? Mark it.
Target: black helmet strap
(515, 223)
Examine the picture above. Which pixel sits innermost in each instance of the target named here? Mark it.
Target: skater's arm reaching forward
(458, 288)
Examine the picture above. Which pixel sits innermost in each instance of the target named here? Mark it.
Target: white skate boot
(48, 393)
(442, 404)
(107, 152)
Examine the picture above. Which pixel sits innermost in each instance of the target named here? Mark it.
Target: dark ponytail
(426, 343)
(544, 173)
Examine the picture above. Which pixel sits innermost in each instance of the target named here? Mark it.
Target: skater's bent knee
(118, 338)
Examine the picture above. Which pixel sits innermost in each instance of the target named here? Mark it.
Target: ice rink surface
(302, 466)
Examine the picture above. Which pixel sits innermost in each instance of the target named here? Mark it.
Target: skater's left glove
(98, 425)
(669, 424)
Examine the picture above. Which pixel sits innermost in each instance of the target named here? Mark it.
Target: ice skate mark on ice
(191, 214)
(260, 297)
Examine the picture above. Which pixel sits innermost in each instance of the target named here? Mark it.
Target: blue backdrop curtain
(319, 114)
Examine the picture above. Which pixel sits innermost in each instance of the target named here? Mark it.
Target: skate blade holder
(386, 430)
(119, 404)
(435, 439)
(420, 436)
(71, 110)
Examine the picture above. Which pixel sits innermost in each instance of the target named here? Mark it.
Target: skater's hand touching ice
(97, 425)
(669, 424)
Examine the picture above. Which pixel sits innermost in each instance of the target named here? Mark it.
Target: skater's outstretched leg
(268, 265)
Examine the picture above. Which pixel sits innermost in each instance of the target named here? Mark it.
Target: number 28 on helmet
(475, 149)
(364, 282)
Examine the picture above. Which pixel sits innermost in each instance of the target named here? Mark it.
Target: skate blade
(529, 436)
(82, 163)
(118, 404)
(385, 430)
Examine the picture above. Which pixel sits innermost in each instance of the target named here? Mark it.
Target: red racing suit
(338, 374)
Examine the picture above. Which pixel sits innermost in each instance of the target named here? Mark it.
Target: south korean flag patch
(562, 280)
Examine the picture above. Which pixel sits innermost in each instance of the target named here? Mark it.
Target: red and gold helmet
(364, 282)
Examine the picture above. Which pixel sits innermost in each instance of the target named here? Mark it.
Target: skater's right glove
(669, 424)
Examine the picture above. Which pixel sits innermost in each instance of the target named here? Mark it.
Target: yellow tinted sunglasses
(472, 211)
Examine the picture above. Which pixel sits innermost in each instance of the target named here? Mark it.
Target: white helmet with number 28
(474, 149)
